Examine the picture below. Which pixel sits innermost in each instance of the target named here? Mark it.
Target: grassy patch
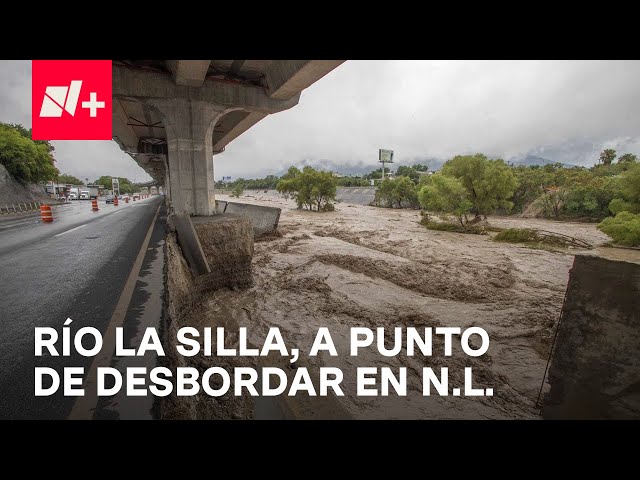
(453, 227)
(538, 239)
(517, 235)
(624, 228)
(542, 246)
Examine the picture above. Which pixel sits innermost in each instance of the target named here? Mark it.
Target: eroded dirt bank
(373, 267)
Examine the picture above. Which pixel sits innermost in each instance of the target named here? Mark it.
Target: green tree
(288, 184)
(410, 172)
(45, 169)
(532, 181)
(445, 194)
(552, 201)
(413, 171)
(595, 192)
(310, 188)
(237, 190)
(266, 183)
(630, 184)
(398, 192)
(105, 181)
(618, 205)
(17, 154)
(25, 159)
(65, 178)
(377, 174)
(628, 195)
(405, 193)
(384, 196)
(607, 156)
(348, 181)
(624, 228)
(628, 158)
(489, 183)
(591, 198)
(126, 186)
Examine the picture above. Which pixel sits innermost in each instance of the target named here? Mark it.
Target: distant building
(57, 189)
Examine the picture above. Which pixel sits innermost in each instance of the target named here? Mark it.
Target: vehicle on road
(94, 191)
(85, 195)
(136, 196)
(73, 196)
(74, 190)
(108, 198)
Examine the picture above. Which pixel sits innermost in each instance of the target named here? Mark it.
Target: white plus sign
(93, 105)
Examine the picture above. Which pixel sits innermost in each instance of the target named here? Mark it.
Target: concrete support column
(165, 184)
(189, 125)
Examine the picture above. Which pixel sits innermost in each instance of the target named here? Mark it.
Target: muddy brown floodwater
(363, 266)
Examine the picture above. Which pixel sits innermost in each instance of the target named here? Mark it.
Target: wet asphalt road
(75, 267)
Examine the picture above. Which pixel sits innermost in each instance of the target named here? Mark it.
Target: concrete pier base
(227, 243)
(215, 250)
(595, 369)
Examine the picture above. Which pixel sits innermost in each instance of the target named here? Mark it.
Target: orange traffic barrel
(115, 201)
(94, 205)
(126, 199)
(45, 213)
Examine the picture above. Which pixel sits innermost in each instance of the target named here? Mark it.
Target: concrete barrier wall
(356, 195)
(595, 369)
(221, 205)
(263, 219)
(227, 244)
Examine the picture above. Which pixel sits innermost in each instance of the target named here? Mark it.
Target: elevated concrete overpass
(172, 116)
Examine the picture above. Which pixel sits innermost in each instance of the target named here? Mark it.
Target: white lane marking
(71, 230)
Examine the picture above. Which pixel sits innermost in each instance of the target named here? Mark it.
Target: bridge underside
(172, 116)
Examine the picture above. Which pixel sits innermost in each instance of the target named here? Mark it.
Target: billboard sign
(385, 156)
(115, 186)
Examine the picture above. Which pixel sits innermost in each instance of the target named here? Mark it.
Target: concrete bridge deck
(173, 116)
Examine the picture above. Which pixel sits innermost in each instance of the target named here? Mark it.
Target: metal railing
(15, 208)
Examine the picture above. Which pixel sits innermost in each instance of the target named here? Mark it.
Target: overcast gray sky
(561, 110)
